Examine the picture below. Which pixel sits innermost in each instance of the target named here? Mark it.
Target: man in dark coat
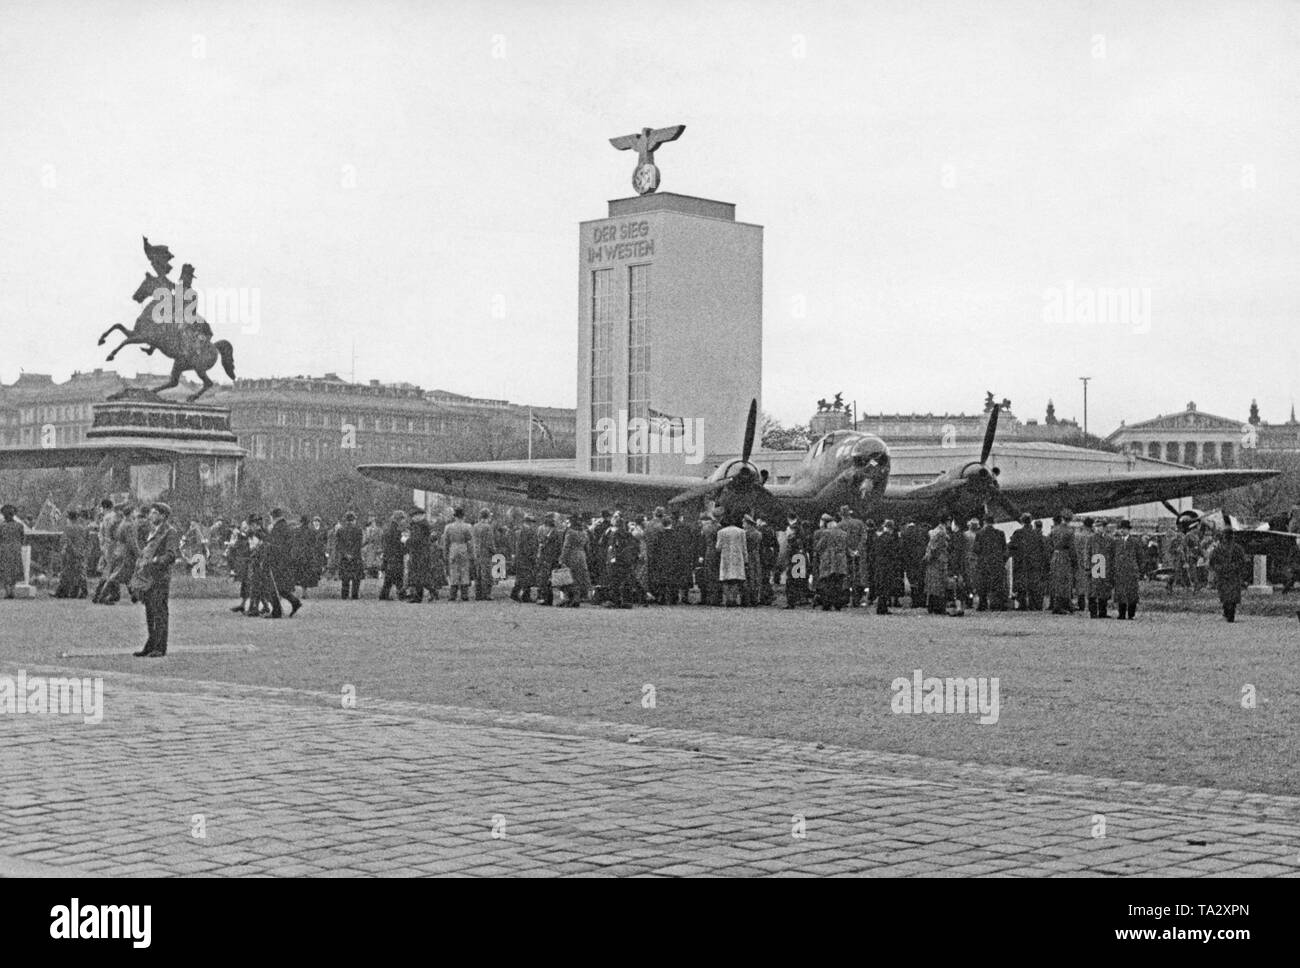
(991, 567)
(957, 551)
(795, 559)
(888, 568)
(393, 553)
(710, 586)
(686, 539)
(867, 558)
(419, 576)
(1023, 563)
(622, 550)
(347, 549)
(913, 541)
(73, 559)
(1127, 570)
(854, 529)
(661, 555)
(306, 560)
(752, 590)
(153, 578)
(1232, 570)
(1061, 585)
(279, 563)
(550, 541)
(525, 560)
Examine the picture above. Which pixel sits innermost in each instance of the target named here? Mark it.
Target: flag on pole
(541, 427)
(666, 425)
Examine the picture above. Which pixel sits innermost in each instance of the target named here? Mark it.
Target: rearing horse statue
(181, 335)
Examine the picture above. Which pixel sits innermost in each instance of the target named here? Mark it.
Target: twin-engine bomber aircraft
(843, 467)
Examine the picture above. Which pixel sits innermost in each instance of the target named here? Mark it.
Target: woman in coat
(1126, 569)
(936, 570)
(573, 555)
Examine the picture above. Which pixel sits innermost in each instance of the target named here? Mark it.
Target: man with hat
(710, 584)
(419, 572)
(853, 528)
(1232, 570)
(550, 541)
(621, 552)
(795, 556)
(1127, 569)
(393, 551)
(279, 560)
(1061, 543)
(526, 545)
(152, 580)
(831, 546)
(991, 567)
(485, 547)
(1027, 564)
(347, 552)
(456, 540)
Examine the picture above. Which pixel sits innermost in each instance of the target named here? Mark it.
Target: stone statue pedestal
(185, 449)
(825, 421)
(1260, 585)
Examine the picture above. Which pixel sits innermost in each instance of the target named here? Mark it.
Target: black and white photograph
(763, 402)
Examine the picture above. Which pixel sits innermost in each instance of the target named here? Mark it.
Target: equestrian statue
(170, 323)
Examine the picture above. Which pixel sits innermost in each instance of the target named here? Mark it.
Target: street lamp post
(1085, 380)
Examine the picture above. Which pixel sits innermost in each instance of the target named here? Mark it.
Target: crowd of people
(620, 559)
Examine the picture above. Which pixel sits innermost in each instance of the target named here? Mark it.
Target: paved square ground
(503, 739)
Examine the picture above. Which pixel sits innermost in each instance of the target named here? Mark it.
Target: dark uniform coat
(1126, 562)
(1232, 568)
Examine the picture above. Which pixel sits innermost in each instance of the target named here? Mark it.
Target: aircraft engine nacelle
(736, 471)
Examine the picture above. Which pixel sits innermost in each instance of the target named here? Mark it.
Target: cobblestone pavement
(211, 778)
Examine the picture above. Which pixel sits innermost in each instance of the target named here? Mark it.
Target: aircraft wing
(555, 489)
(1271, 543)
(1044, 498)
(82, 455)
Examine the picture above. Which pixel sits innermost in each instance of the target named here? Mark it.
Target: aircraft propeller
(737, 485)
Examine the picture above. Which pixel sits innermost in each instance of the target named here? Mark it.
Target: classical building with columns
(1193, 437)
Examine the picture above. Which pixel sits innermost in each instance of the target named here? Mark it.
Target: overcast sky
(942, 186)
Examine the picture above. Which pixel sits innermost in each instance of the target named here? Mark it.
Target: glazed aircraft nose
(870, 450)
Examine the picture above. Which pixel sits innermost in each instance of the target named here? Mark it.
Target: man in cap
(153, 578)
